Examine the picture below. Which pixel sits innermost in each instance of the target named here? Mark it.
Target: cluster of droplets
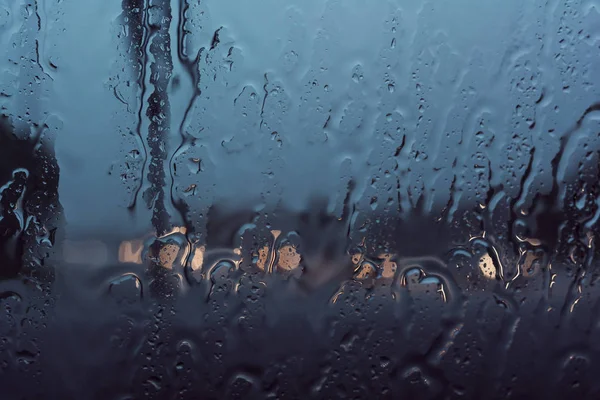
(457, 245)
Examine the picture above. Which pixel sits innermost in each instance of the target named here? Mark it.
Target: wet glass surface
(302, 199)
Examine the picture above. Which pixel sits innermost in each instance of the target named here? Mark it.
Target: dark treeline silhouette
(29, 206)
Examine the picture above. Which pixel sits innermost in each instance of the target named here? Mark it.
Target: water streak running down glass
(299, 199)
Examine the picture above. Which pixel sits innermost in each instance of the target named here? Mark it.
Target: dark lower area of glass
(245, 336)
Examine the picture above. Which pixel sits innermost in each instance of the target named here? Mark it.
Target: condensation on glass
(301, 199)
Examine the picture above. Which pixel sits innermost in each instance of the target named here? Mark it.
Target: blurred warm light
(130, 251)
(289, 258)
(366, 270)
(388, 267)
(530, 264)
(263, 253)
(168, 255)
(176, 229)
(486, 266)
(198, 258)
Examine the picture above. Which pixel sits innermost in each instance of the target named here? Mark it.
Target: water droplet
(126, 289)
